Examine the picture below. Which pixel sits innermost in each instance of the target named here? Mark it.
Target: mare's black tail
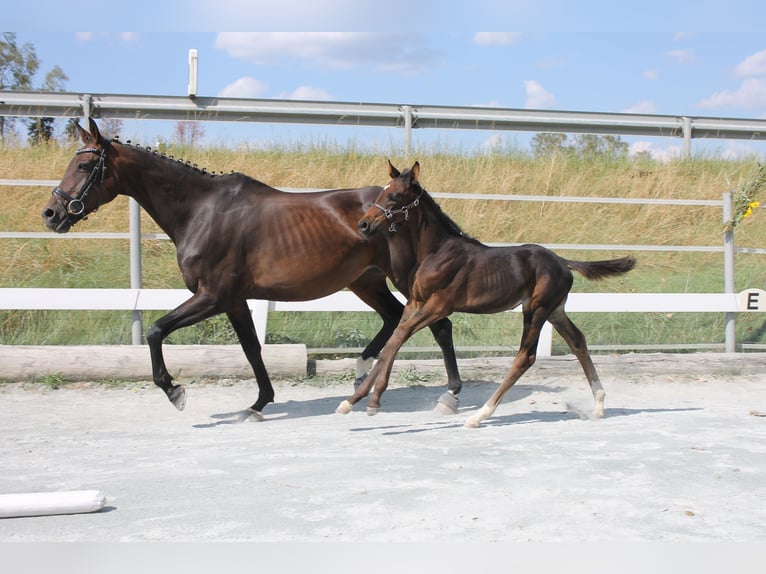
(602, 269)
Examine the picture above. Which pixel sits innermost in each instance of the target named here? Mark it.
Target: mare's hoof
(177, 396)
(249, 415)
(447, 404)
(372, 411)
(344, 408)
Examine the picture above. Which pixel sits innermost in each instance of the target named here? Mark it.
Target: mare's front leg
(242, 321)
(415, 317)
(200, 306)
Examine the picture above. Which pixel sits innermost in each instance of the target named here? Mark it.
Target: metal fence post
(137, 324)
(728, 272)
(407, 111)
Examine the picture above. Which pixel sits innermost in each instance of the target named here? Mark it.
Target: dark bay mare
(238, 239)
(447, 271)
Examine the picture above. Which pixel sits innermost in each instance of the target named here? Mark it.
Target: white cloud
(495, 142)
(651, 74)
(246, 87)
(406, 53)
(660, 154)
(308, 93)
(495, 38)
(537, 96)
(751, 94)
(753, 65)
(644, 107)
(683, 56)
(122, 36)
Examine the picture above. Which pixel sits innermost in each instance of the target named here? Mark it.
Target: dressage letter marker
(46, 503)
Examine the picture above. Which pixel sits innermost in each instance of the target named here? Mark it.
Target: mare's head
(394, 203)
(82, 189)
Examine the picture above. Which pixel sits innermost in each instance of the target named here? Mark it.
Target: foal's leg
(414, 318)
(371, 288)
(242, 321)
(525, 358)
(200, 306)
(576, 341)
(442, 331)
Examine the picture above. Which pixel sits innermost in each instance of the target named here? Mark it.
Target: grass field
(100, 263)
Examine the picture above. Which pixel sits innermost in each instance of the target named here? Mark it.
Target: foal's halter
(74, 204)
(405, 209)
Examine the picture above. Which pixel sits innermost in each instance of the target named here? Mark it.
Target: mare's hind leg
(242, 321)
(193, 310)
(525, 358)
(576, 341)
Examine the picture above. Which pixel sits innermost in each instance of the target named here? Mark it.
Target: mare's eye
(83, 166)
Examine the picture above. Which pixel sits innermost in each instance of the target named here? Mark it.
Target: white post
(137, 326)
(728, 273)
(260, 310)
(193, 61)
(545, 342)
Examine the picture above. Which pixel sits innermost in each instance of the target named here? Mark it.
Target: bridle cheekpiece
(74, 204)
(405, 209)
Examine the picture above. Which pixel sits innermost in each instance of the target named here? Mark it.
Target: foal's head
(392, 206)
(81, 190)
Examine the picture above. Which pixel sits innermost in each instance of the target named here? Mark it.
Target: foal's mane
(446, 221)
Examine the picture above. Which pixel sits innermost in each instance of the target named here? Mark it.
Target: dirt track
(680, 456)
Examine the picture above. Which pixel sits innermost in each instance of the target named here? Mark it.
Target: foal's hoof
(447, 404)
(177, 396)
(472, 423)
(344, 408)
(249, 415)
(372, 411)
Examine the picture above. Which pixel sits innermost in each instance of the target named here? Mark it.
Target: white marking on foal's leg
(474, 421)
(344, 408)
(363, 366)
(251, 415)
(598, 409)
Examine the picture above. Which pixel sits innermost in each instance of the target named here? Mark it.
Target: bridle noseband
(75, 204)
(405, 209)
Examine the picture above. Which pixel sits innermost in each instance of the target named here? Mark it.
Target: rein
(75, 204)
(405, 209)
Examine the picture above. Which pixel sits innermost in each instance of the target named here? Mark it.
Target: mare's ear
(94, 132)
(415, 172)
(392, 171)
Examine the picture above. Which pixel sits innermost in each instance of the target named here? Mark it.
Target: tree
(18, 65)
(584, 146)
(544, 144)
(188, 133)
(40, 130)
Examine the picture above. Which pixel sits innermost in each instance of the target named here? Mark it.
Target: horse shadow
(412, 399)
(405, 399)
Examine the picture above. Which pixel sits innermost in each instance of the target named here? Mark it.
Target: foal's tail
(602, 269)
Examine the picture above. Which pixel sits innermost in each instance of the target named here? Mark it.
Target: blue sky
(645, 58)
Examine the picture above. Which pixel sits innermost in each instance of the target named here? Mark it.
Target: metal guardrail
(405, 116)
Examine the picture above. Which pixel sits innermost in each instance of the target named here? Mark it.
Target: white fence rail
(137, 300)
